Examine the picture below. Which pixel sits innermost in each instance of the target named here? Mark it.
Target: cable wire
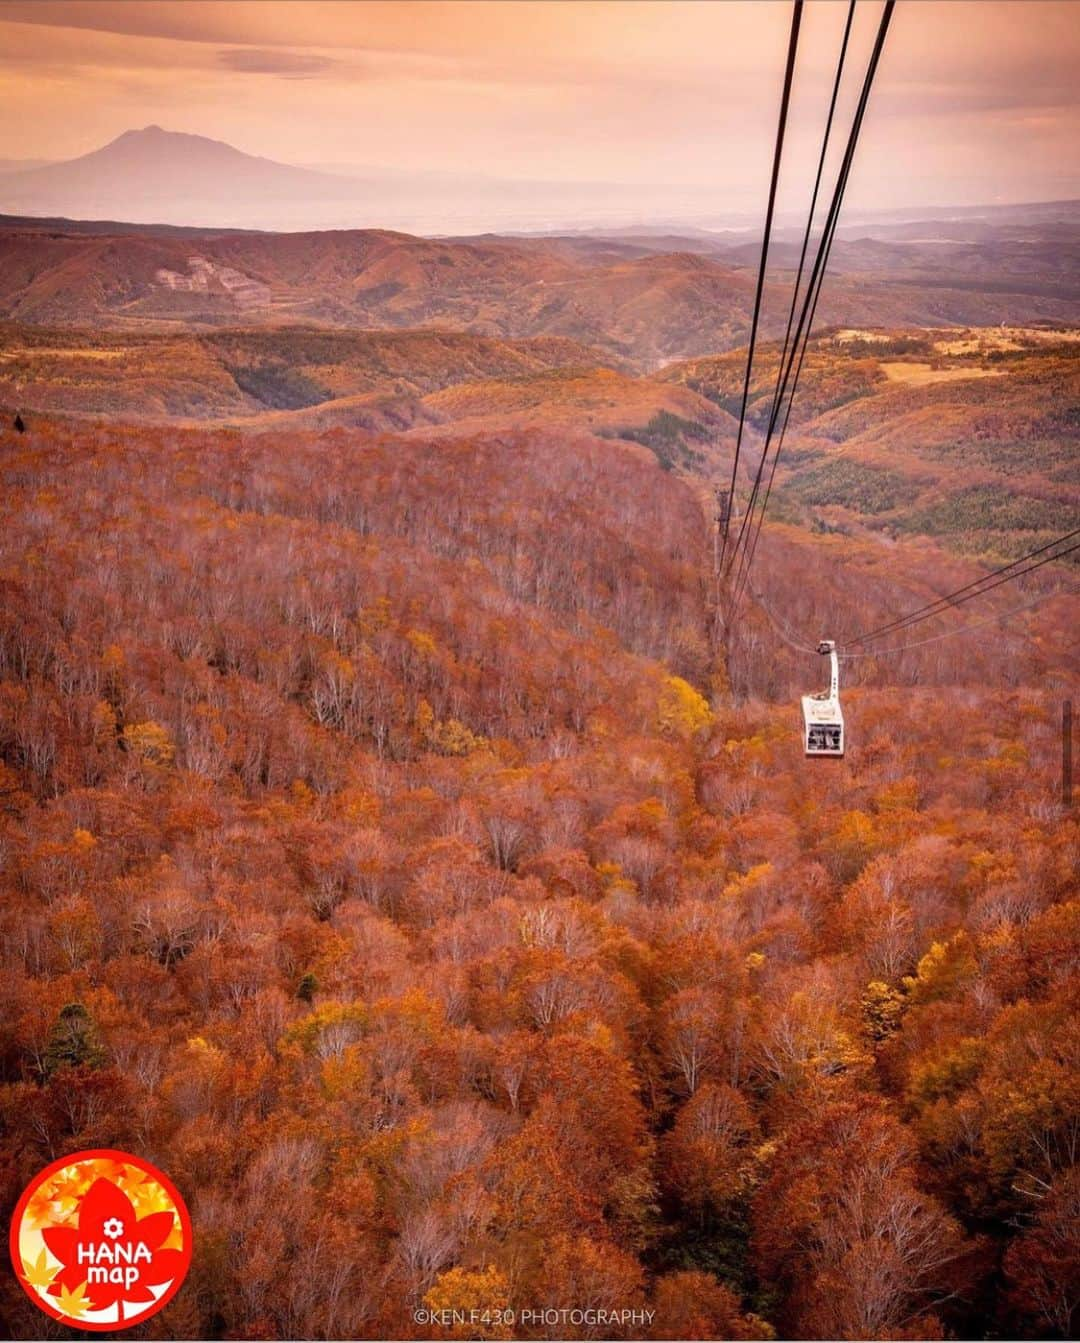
(810, 302)
(783, 368)
(964, 629)
(792, 356)
(801, 645)
(781, 626)
(789, 75)
(814, 199)
(950, 599)
(1006, 578)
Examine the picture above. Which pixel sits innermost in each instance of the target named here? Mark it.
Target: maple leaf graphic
(38, 1274)
(104, 1202)
(74, 1303)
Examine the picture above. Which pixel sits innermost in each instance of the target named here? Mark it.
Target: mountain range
(157, 176)
(645, 298)
(163, 177)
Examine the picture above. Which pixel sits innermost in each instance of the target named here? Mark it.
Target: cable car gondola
(823, 719)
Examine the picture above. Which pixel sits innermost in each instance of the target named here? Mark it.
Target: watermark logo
(101, 1240)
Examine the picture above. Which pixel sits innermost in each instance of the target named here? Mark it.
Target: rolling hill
(216, 374)
(893, 431)
(641, 300)
(317, 378)
(643, 307)
(968, 436)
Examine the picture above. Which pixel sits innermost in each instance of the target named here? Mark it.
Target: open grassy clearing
(920, 375)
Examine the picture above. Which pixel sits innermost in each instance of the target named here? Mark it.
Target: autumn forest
(401, 850)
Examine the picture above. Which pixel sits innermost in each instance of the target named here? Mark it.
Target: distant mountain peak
(153, 133)
(159, 139)
(150, 173)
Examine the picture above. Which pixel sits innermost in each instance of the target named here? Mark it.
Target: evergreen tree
(73, 1041)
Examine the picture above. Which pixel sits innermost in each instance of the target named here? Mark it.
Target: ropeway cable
(964, 629)
(789, 75)
(810, 305)
(784, 367)
(803, 646)
(1005, 573)
(813, 204)
(1006, 578)
(950, 599)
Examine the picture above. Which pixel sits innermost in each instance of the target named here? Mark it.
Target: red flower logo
(118, 1264)
(101, 1240)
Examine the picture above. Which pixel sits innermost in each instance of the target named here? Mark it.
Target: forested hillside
(645, 298)
(391, 855)
(971, 437)
(540, 671)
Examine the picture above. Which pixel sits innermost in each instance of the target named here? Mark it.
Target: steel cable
(789, 75)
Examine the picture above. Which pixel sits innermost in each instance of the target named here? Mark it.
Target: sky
(975, 103)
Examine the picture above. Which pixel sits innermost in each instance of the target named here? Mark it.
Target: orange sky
(977, 101)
